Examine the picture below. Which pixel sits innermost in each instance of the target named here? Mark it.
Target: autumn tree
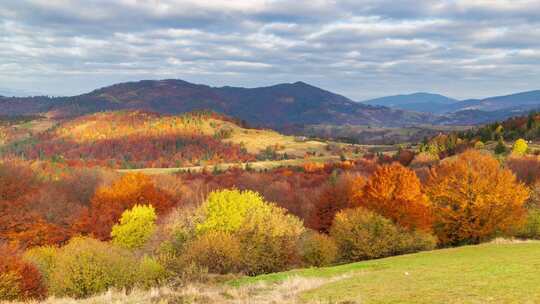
(336, 196)
(474, 198)
(395, 192)
(520, 147)
(109, 203)
(135, 227)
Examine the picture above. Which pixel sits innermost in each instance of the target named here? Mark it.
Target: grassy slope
(491, 273)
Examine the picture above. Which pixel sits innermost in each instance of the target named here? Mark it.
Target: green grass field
(490, 273)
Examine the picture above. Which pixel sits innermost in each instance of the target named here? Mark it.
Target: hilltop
(273, 106)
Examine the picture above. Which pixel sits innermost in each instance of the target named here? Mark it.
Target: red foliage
(30, 281)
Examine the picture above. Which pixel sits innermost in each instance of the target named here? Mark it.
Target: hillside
(274, 106)
(490, 273)
(420, 102)
(138, 139)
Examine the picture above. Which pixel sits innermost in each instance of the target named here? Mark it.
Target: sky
(358, 48)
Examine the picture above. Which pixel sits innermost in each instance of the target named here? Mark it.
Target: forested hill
(273, 106)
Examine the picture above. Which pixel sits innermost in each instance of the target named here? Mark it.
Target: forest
(72, 230)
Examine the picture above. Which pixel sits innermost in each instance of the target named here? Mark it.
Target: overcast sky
(359, 48)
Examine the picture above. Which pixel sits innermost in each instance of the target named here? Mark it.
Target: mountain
(420, 102)
(275, 106)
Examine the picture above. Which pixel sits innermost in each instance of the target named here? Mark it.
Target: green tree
(500, 148)
(135, 227)
(520, 147)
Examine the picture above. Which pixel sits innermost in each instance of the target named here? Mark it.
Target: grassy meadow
(497, 272)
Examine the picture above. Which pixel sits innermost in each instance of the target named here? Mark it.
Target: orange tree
(474, 198)
(109, 203)
(395, 192)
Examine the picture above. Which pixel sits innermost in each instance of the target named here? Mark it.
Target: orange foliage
(313, 167)
(473, 198)
(395, 192)
(108, 203)
(29, 279)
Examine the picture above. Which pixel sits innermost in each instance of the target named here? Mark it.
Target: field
(498, 272)
(490, 273)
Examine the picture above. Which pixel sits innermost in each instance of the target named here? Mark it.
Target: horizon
(362, 50)
(34, 94)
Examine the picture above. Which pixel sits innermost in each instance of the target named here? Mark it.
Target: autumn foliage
(24, 278)
(474, 198)
(395, 192)
(110, 202)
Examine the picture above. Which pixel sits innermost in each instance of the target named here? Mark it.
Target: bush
(520, 147)
(9, 286)
(361, 234)
(135, 228)
(43, 258)
(219, 252)
(317, 249)
(87, 266)
(267, 235)
(226, 210)
(19, 279)
(531, 227)
(150, 273)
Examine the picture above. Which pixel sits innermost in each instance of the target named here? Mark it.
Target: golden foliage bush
(87, 266)
(218, 251)
(361, 234)
(317, 249)
(474, 198)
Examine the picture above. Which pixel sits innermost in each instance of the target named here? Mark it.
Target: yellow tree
(395, 192)
(474, 198)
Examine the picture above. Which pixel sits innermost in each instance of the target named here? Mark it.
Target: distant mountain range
(275, 106)
(420, 102)
(280, 106)
(470, 111)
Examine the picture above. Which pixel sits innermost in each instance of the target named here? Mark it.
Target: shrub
(150, 273)
(219, 252)
(268, 236)
(9, 286)
(317, 249)
(361, 234)
(269, 239)
(395, 192)
(135, 228)
(531, 226)
(520, 147)
(87, 266)
(226, 210)
(474, 198)
(19, 279)
(43, 258)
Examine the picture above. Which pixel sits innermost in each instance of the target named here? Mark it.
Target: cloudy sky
(359, 48)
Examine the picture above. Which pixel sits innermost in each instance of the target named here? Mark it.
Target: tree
(474, 198)
(500, 148)
(334, 198)
(135, 227)
(520, 147)
(109, 203)
(395, 192)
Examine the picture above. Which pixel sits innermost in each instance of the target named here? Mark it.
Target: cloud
(367, 48)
